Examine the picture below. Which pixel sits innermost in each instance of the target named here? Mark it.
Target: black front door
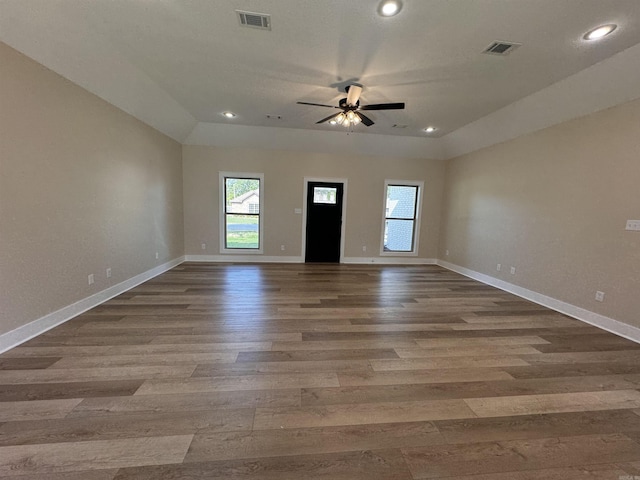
(324, 222)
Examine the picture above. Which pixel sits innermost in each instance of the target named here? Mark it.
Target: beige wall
(554, 204)
(83, 187)
(284, 174)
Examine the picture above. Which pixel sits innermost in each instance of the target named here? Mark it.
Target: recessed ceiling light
(389, 8)
(229, 114)
(600, 32)
(430, 129)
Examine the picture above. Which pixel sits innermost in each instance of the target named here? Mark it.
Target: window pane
(324, 195)
(243, 231)
(401, 201)
(398, 235)
(243, 195)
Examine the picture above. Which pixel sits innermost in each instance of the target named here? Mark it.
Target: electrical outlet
(446, 253)
(499, 267)
(108, 273)
(90, 279)
(513, 270)
(282, 247)
(157, 255)
(633, 225)
(364, 248)
(203, 246)
(599, 296)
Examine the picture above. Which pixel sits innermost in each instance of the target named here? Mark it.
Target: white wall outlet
(633, 225)
(282, 247)
(599, 296)
(513, 270)
(157, 255)
(297, 211)
(108, 273)
(499, 267)
(446, 253)
(364, 248)
(90, 279)
(203, 246)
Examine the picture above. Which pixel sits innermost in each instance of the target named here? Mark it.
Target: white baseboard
(300, 259)
(32, 329)
(391, 260)
(243, 259)
(606, 323)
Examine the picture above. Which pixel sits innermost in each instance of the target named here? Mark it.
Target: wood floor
(320, 372)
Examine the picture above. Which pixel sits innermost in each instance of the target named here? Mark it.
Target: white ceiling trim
(114, 79)
(338, 142)
(611, 82)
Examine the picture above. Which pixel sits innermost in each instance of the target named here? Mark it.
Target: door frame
(305, 188)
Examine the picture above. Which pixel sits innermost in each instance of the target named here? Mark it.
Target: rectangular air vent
(254, 20)
(397, 125)
(501, 48)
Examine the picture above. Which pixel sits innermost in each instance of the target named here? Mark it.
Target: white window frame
(416, 223)
(222, 213)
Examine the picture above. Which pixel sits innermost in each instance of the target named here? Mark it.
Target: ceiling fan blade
(329, 118)
(365, 120)
(316, 104)
(383, 106)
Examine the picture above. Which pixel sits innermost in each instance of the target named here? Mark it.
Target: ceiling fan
(351, 113)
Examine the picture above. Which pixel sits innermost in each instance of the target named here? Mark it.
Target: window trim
(222, 224)
(416, 224)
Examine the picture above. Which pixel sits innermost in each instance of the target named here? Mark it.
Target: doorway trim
(305, 188)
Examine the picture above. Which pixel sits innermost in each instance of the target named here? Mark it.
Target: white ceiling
(183, 62)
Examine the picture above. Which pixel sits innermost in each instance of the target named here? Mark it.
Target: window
(241, 199)
(325, 195)
(401, 217)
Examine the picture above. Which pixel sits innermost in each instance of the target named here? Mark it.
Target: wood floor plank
(114, 427)
(53, 375)
(36, 410)
(590, 472)
(364, 465)
(183, 358)
(554, 403)
(519, 455)
(9, 363)
(421, 376)
(53, 391)
(360, 414)
(483, 350)
(241, 382)
(446, 362)
(521, 427)
(321, 355)
(454, 341)
(96, 455)
(306, 441)
(83, 475)
(237, 337)
(333, 366)
(342, 345)
(186, 402)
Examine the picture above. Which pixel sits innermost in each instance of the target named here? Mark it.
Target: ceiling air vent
(397, 125)
(501, 48)
(254, 20)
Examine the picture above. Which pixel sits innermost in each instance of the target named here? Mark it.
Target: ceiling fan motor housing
(344, 104)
